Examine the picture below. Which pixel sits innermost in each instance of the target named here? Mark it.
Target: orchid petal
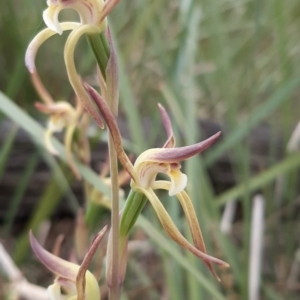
(50, 16)
(66, 285)
(39, 39)
(54, 291)
(55, 264)
(48, 141)
(178, 182)
(109, 5)
(166, 160)
(114, 130)
(60, 107)
(170, 143)
(171, 155)
(191, 217)
(90, 12)
(71, 69)
(75, 279)
(173, 231)
(85, 281)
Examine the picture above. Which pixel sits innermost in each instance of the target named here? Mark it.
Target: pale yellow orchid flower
(92, 22)
(144, 172)
(62, 116)
(76, 282)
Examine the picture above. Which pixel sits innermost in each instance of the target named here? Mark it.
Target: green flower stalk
(144, 172)
(77, 282)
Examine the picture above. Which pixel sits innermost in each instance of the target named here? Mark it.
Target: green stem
(134, 204)
(100, 47)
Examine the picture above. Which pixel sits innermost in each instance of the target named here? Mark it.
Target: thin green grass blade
(184, 66)
(257, 116)
(37, 132)
(64, 178)
(144, 279)
(167, 246)
(20, 189)
(174, 278)
(272, 294)
(45, 207)
(289, 164)
(6, 148)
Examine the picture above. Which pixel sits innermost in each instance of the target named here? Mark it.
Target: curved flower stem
(75, 80)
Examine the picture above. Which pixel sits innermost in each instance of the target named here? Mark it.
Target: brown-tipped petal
(85, 281)
(170, 155)
(114, 130)
(112, 77)
(109, 5)
(191, 217)
(170, 143)
(55, 264)
(38, 40)
(173, 231)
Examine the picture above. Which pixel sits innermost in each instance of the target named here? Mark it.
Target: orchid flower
(92, 22)
(144, 172)
(64, 115)
(75, 281)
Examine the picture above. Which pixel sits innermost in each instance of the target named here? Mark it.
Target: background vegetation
(230, 63)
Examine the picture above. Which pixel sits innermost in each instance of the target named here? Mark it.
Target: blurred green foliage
(235, 62)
